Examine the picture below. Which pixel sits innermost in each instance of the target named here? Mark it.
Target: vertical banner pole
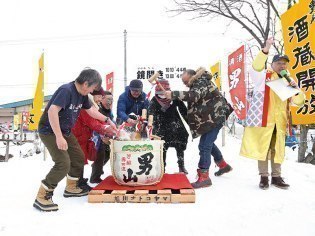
(125, 58)
(223, 129)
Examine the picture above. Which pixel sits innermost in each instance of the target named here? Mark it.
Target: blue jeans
(208, 148)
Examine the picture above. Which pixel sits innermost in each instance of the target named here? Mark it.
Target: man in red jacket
(83, 131)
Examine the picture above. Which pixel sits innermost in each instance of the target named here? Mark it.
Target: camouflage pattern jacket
(207, 108)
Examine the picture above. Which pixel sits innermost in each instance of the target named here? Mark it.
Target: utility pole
(223, 128)
(125, 58)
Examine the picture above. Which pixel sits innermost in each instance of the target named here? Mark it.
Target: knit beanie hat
(136, 84)
(98, 92)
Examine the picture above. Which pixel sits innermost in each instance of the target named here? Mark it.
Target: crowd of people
(78, 123)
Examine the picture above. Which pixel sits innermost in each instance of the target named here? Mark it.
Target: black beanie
(136, 84)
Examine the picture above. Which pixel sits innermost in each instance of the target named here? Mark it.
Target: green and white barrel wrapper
(136, 163)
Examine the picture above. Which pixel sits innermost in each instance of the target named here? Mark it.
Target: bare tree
(291, 3)
(258, 17)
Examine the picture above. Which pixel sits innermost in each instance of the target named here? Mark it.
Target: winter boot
(43, 201)
(264, 182)
(279, 183)
(224, 168)
(182, 169)
(73, 189)
(181, 166)
(83, 184)
(203, 179)
(96, 180)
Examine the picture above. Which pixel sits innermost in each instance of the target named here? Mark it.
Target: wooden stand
(142, 196)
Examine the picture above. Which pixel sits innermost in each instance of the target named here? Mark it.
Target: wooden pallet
(142, 196)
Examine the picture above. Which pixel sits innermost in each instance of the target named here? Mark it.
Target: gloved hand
(132, 121)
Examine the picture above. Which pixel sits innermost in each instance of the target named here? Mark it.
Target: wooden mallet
(154, 80)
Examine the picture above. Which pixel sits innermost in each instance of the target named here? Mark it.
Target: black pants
(102, 158)
(180, 155)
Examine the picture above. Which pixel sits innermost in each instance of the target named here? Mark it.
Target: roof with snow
(22, 103)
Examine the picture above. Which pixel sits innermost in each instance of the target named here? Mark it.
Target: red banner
(110, 82)
(25, 119)
(237, 85)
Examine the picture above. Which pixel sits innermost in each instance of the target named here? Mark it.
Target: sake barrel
(136, 163)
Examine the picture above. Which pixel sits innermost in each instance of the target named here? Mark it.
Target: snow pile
(234, 205)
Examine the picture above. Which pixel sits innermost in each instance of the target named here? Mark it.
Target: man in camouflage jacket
(207, 111)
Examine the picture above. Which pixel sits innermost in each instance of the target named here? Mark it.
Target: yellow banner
(38, 102)
(17, 120)
(216, 74)
(298, 28)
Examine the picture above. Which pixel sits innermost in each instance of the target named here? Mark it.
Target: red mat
(169, 181)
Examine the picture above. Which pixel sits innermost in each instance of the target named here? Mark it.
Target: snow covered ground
(234, 205)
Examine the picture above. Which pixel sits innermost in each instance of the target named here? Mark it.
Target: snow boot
(203, 179)
(224, 168)
(97, 180)
(43, 201)
(181, 166)
(73, 189)
(264, 182)
(279, 183)
(182, 169)
(83, 184)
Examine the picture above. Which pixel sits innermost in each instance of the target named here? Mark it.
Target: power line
(33, 85)
(60, 39)
(14, 85)
(86, 37)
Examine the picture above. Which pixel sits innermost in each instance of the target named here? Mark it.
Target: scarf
(164, 102)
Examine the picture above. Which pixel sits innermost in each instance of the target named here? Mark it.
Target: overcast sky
(154, 39)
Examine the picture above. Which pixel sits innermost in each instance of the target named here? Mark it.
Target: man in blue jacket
(133, 100)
